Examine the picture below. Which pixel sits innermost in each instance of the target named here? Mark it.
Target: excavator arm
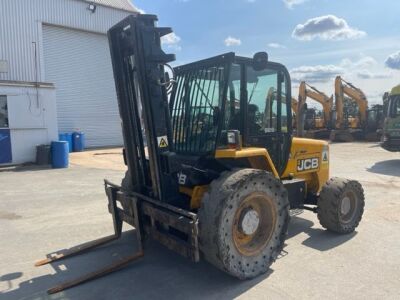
(308, 91)
(294, 105)
(342, 88)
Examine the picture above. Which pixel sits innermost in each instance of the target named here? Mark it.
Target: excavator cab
(375, 120)
(391, 130)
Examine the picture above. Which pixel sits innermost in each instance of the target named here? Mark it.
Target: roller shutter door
(79, 65)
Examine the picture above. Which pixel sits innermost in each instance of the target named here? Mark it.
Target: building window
(3, 112)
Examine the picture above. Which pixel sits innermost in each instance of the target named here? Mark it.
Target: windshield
(394, 106)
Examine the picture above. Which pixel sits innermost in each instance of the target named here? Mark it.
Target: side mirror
(260, 61)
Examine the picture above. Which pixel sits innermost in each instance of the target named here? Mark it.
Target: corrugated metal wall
(79, 64)
(76, 60)
(21, 31)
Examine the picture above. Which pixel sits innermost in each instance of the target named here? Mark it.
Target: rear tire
(341, 205)
(243, 221)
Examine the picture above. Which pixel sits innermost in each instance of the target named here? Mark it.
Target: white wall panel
(30, 124)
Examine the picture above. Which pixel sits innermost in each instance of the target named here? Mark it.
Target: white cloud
(170, 39)
(361, 68)
(327, 27)
(365, 74)
(291, 3)
(350, 69)
(231, 41)
(363, 62)
(276, 46)
(318, 73)
(393, 61)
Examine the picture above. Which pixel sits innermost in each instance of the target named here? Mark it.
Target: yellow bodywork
(305, 149)
(302, 152)
(195, 194)
(354, 122)
(319, 123)
(258, 158)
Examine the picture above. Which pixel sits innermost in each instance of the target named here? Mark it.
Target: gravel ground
(42, 210)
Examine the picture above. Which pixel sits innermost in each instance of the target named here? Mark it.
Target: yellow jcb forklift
(219, 179)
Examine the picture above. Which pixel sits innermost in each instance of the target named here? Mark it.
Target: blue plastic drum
(59, 154)
(78, 141)
(67, 137)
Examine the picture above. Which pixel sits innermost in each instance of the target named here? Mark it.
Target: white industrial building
(56, 74)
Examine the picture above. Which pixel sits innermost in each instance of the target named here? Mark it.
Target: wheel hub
(345, 206)
(249, 221)
(254, 223)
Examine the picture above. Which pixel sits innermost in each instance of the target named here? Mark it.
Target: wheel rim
(348, 207)
(254, 224)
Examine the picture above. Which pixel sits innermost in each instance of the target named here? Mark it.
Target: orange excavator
(349, 127)
(308, 123)
(294, 105)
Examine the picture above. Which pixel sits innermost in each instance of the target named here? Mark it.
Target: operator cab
(214, 97)
(391, 130)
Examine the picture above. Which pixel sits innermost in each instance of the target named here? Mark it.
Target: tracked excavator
(221, 171)
(346, 128)
(364, 125)
(314, 126)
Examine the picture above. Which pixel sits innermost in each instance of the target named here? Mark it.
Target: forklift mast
(138, 64)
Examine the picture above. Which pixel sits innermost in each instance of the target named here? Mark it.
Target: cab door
(268, 112)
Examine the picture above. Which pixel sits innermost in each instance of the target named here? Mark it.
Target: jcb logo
(307, 164)
(181, 178)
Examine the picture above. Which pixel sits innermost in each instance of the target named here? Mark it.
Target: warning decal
(325, 157)
(162, 141)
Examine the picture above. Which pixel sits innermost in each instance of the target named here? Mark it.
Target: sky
(315, 39)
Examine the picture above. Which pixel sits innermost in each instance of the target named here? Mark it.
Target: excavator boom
(308, 91)
(343, 88)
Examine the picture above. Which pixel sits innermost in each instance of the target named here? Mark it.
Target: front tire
(243, 222)
(341, 205)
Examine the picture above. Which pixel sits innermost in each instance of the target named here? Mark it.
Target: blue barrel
(59, 154)
(67, 137)
(78, 141)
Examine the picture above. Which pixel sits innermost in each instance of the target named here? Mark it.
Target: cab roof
(395, 90)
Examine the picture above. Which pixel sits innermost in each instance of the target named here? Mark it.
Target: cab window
(232, 108)
(262, 108)
(395, 105)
